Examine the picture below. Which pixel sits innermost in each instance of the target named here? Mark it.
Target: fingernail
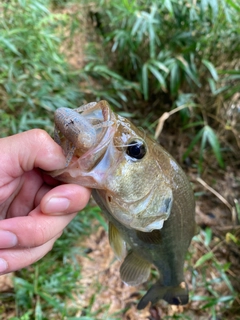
(3, 265)
(55, 205)
(7, 239)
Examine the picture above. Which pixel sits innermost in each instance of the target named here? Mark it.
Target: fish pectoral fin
(117, 242)
(173, 295)
(134, 270)
(153, 237)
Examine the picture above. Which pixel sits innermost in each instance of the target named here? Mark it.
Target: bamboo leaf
(168, 5)
(185, 66)
(160, 65)
(203, 259)
(136, 25)
(213, 141)
(211, 69)
(159, 77)
(175, 78)
(214, 5)
(203, 143)
(193, 143)
(145, 80)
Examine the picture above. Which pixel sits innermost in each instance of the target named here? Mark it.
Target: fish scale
(142, 191)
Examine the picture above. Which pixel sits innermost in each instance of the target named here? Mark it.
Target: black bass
(142, 191)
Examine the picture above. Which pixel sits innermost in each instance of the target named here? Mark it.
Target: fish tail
(173, 295)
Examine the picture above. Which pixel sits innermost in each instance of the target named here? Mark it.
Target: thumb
(24, 151)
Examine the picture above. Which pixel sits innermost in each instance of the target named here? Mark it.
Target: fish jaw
(85, 135)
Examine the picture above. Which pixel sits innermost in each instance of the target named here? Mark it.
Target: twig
(220, 197)
(165, 116)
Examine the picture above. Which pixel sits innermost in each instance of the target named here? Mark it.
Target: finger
(15, 259)
(65, 199)
(23, 201)
(26, 150)
(35, 229)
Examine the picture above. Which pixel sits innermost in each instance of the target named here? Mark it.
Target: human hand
(34, 208)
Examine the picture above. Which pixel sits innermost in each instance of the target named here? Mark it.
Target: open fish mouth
(84, 134)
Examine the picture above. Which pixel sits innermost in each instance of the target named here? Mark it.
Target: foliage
(214, 301)
(168, 50)
(168, 44)
(34, 77)
(156, 55)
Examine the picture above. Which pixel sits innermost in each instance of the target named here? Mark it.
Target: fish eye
(136, 150)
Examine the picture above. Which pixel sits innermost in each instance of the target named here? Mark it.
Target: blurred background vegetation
(172, 66)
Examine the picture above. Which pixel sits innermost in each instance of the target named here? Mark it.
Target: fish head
(118, 160)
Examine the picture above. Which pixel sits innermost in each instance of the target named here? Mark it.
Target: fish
(142, 191)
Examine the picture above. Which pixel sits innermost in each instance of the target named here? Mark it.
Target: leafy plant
(163, 50)
(213, 301)
(34, 77)
(207, 136)
(165, 43)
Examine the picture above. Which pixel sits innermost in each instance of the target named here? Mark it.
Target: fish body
(142, 191)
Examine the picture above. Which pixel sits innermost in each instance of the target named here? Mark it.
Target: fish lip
(84, 161)
(80, 166)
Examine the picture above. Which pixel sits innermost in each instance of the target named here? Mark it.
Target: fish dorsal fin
(116, 242)
(153, 237)
(134, 270)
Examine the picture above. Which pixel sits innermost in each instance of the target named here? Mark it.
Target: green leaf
(145, 81)
(214, 5)
(208, 236)
(160, 65)
(10, 46)
(185, 66)
(168, 5)
(213, 141)
(233, 4)
(211, 69)
(203, 143)
(203, 259)
(136, 25)
(193, 143)
(158, 76)
(174, 79)
(193, 124)
(38, 5)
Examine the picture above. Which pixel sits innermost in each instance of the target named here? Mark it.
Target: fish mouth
(84, 138)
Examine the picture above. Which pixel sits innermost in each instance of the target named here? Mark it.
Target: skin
(31, 202)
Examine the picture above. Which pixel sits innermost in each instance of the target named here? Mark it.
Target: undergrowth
(35, 78)
(172, 54)
(144, 57)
